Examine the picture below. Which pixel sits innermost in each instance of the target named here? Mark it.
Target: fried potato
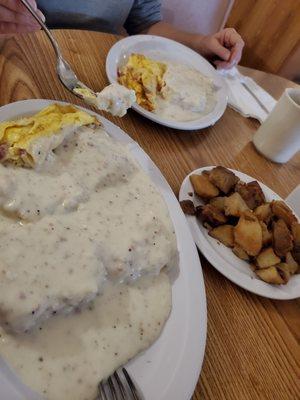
(223, 178)
(252, 266)
(296, 237)
(296, 232)
(293, 265)
(282, 238)
(272, 275)
(289, 259)
(211, 214)
(282, 211)
(203, 187)
(264, 212)
(248, 234)
(252, 194)
(206, 172)
(267, 258)
(296, 253)
(235, 205)
(188, 207)
(284, 271)
(218, 202)
(224, 234)
(240, 253)
(266, 234)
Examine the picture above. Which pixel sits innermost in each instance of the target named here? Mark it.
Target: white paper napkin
(241, 100)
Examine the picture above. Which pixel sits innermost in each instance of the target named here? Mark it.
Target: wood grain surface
(252, 347)
(271, 30)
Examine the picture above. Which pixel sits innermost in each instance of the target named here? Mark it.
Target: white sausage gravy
(86, 244)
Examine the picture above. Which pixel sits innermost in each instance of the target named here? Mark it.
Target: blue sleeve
(143, 14)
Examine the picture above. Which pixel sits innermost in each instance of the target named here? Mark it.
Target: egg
(27, 141)
(85, 93)
(145, 77)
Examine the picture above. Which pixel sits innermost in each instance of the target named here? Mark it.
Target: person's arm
(15, 18)
(227, 44)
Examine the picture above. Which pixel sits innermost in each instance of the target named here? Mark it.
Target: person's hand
(225, 45)
(15, 18)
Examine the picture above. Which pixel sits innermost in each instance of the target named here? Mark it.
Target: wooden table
(252, 347)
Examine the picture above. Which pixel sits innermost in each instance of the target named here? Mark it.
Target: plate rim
(196, 350)
(264, 289)
(180, 125)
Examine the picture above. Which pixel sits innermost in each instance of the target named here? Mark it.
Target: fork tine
(112, 388)
(131, 385)
(102, 392)
(120, 385)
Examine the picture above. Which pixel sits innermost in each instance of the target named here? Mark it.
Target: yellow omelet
(145, 77)
(26, 141)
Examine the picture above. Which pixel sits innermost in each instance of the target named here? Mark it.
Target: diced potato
(266, 234)
(218, 202)
(293, 265)
(252, 194)
(296, 237)
(206, 172)
(223, 178)
(267, 258)
(284, 271)
(203, 187)
(296, 253)
(224, 234)
(282, 238)
(235, 205)
(263, 212)
(240, 253)
(211, 214)
(282, 211)
(248, 234)
(188, 207)
(271, 275)
(296, 232)
(289, 259)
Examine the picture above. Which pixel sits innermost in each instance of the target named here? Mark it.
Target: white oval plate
(163, 49)
(170, 368)
(223, 259)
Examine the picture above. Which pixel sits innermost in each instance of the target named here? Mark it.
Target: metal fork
(119, 386)
(65, 73)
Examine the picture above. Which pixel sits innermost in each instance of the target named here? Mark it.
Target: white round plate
(224, 260)
(170, 368)
(163, 49)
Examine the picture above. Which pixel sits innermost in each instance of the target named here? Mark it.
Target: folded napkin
(241, 100)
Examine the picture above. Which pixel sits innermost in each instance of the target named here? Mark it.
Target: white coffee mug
(278, 138)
